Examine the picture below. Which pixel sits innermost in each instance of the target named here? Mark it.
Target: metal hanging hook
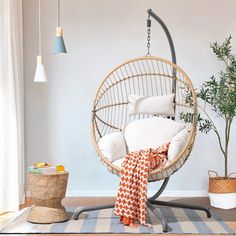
(172, 48)
(164, 27)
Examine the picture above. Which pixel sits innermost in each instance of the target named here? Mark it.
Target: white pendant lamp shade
(40, 75)
(59, 44)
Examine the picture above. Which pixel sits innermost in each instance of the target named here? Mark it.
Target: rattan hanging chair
(148, 76)
(145, 76)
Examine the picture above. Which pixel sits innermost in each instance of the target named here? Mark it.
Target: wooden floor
(229, 216)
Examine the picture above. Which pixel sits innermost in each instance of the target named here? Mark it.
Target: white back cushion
(159, 105)
(113, 146)
(150, 132)
(177, 144)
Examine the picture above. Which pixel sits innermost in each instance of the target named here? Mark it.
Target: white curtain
(11, 106)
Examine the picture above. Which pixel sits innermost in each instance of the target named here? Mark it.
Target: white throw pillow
(177, 144)
(113, 146)
(150, 132)
(159, 105)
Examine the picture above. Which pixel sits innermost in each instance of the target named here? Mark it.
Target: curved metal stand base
(150, 202)
(180, 205)
(86, 209)
(160, 216)
(102, 207)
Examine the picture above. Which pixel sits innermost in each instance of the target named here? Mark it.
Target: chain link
(148, 36)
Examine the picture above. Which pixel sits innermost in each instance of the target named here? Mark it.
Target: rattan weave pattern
(148, 76)
(222, 185)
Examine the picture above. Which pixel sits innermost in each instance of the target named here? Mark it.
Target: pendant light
(40, 75)
(59, 45)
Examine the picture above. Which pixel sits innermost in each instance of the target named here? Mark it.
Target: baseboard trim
(170, 193)
(99, 193)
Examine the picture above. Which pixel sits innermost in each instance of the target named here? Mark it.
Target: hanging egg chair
(145, 76)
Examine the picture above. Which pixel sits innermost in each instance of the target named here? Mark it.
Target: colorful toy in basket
(41, 164)
(60, 168)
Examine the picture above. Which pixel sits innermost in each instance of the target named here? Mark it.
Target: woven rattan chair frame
(148, 76)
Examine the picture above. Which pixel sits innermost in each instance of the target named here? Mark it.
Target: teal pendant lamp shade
(59, 45)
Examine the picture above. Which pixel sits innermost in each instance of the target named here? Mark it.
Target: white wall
(99, 35)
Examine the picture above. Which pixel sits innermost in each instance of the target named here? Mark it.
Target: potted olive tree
(218, 95)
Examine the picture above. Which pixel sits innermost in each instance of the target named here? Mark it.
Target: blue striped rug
(180, 222)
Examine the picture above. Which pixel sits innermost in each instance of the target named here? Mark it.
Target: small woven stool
(47, 191)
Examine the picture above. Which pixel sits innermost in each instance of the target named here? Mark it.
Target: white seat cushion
(177, 144)
(158, 105)
(113, 146)
(150, 132)
(119, 162)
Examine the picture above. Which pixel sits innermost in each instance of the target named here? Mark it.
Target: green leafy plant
(219, 93)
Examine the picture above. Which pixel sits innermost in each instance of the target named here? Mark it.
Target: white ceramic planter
(223, 200)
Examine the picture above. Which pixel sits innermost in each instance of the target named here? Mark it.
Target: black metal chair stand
(151, 202)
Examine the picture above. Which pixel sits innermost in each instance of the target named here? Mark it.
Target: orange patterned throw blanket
(132, 195)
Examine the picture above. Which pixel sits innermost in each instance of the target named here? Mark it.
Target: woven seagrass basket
(220, 184)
